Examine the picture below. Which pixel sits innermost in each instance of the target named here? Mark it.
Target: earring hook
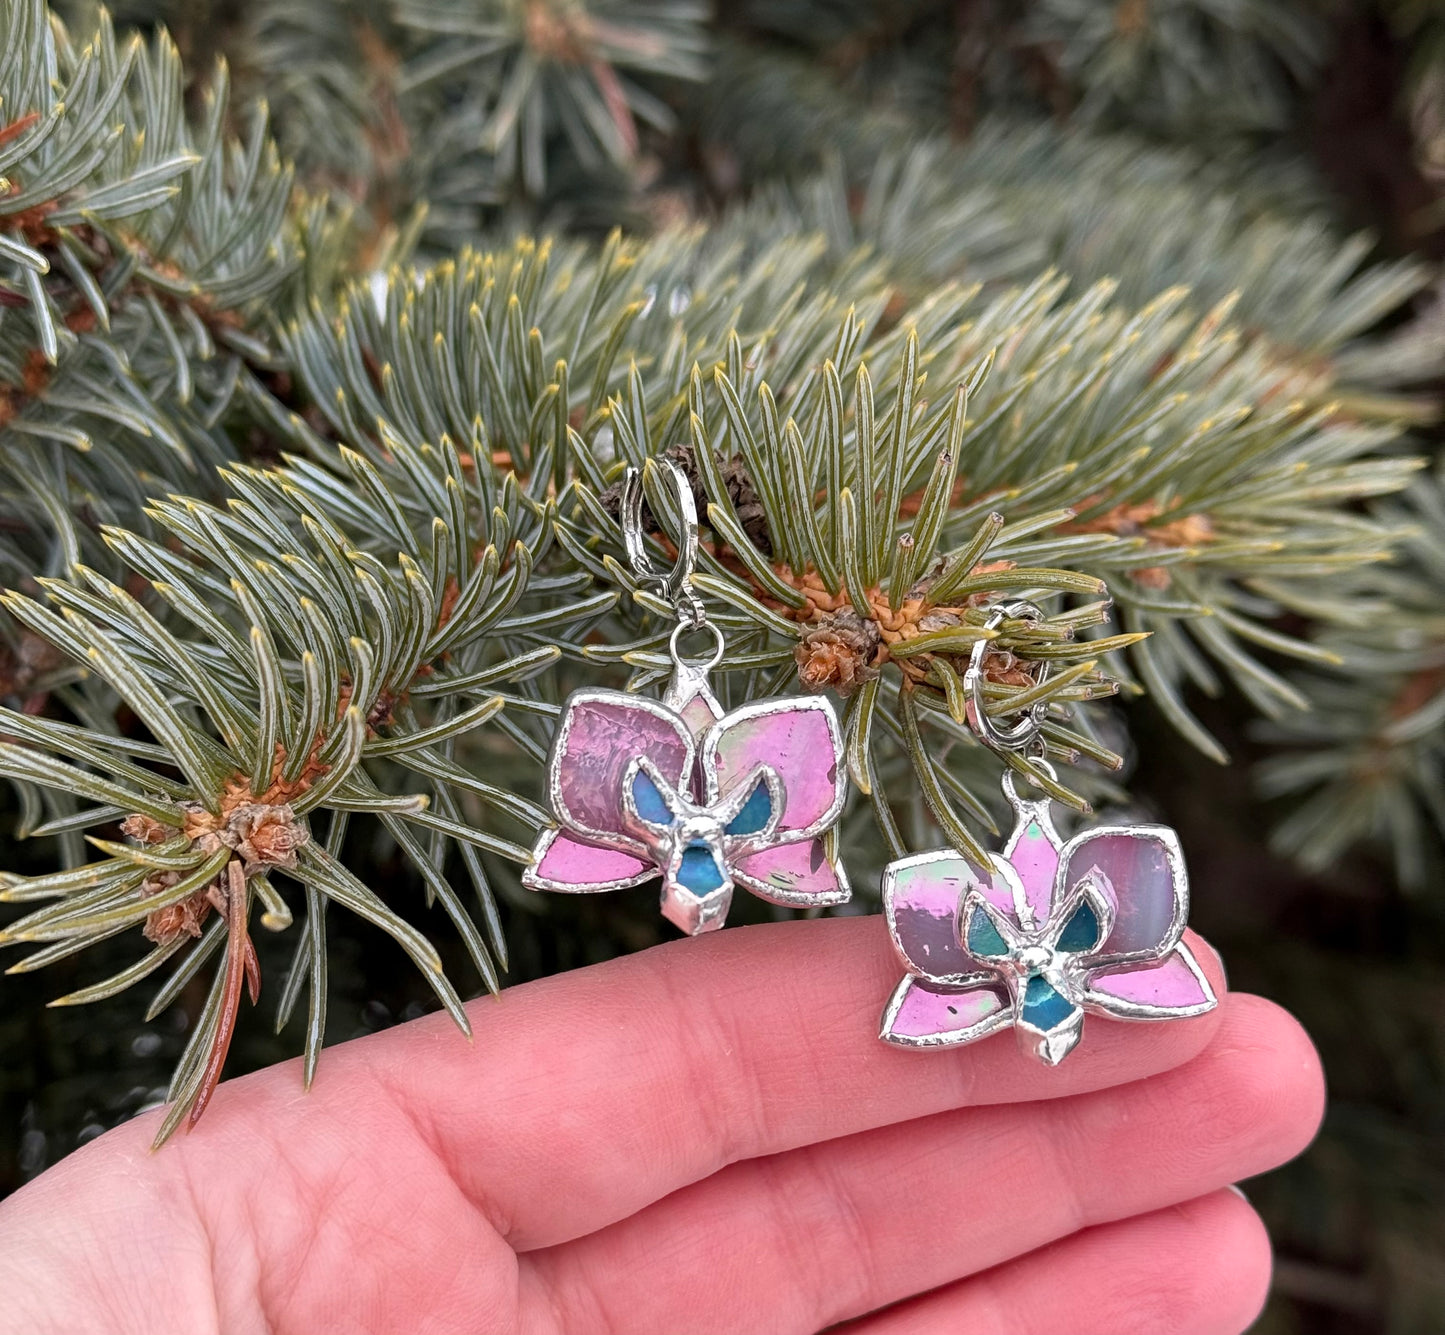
(674, 585)
(1018, 736)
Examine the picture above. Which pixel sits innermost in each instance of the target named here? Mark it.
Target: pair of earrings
(709, 801)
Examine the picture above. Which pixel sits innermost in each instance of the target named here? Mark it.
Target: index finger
(587, 1096)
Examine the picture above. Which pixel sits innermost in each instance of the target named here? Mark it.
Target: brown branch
(18, 126)
(241, 967)
(615, 100)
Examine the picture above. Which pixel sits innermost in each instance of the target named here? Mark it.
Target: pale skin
(706, 1138)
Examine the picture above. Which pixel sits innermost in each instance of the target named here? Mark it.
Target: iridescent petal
(648, 800)
(799, 739)
(1033, 852)
(690, 697)
(601, 734)
(1081, 933)
(699, 713)
(567, 864)
(1141, 870)
(1003, 890)
(921, 899)
(981, 936)
(799, 873)
(924, 1014)
(1161, 991)
(921, 896)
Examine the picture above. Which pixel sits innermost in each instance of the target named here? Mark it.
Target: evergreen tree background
(326, 330)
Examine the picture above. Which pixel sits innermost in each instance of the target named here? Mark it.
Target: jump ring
(1012, 792)
(705, 664)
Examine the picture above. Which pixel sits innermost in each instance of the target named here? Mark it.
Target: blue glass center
(1081, 932)
(1044, 1007)
(984, 939)
(755, 813)
(648, 800)
(699, 871)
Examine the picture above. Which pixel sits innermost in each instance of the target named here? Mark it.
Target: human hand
(705, 1137)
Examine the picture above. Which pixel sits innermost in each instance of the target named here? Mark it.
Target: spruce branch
(564, 63)
(292, 528)
(1098, 205)
(435, 117)
(1177, 63)
(287, 699)
(371, 603)
(140, 248)
(1369, 758)
(1164, 455)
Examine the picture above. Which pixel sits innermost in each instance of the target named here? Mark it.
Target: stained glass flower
(1049, 932)
(707, 803)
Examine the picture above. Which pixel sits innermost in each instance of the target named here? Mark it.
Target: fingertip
(1298, 1069)
(1198, 1268)
(1236, 1279)
(1269, 1083)
(1203, 1264)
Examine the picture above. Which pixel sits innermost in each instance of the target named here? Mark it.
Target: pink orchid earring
(679, 789)
(1047, 932)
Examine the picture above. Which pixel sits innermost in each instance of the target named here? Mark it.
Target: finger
(798, 1241)
(1196, 1269)
(630, 1080)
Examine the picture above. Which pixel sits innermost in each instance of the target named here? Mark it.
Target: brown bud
(266, 836)
(747, 504)
(146, 829)
(1006, 669)
(741, 491)
(202, 827)
(166, 924)
(382, 712)
(838, 650)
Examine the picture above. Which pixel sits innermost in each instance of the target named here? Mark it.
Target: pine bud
(839, 650)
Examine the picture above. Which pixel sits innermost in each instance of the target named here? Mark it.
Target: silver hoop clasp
(676, 584)
(1019, 736)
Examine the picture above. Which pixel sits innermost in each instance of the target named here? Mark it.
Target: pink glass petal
(797, 873)
(1002, 889)
(1138, 866)
(1175, 985)
(1036, 859)
(923, 1013)
(921, 898)
(570, 862)
(603, 732)
(800, 742)
(699, 714)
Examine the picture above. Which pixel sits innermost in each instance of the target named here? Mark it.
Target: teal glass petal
(983, 939)
(1081, 932)
(648, 800)
(755, 813)
(1043, 1007)
(699, 871)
